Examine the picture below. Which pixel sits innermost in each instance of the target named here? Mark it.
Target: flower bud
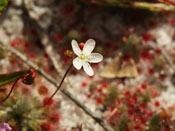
(29, 77)
(68, 53)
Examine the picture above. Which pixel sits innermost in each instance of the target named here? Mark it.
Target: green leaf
(8, 78)
(3, 3)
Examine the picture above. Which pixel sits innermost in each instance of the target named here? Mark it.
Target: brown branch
(54, 82)
(51, 54)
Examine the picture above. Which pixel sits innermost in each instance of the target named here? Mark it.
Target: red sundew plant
(158, 51)
(54, 118)
(83, 84)
(16, 43)
(171, 22)
(43, 90)
(147, 37)
(130, 110)
(48, 101)
(46, 126)
(145, 54)
(25, 111)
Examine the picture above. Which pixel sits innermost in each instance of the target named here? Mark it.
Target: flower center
(82, 57)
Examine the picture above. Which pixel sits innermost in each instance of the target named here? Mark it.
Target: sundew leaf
(8, 78)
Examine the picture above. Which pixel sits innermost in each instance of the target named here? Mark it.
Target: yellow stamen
(82, 57)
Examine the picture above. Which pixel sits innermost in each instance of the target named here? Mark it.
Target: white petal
(88, 69)
(77, 63)
(95, 58)
(76, 48)
(88, 47)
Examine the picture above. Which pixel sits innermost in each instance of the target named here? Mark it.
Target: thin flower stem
(59, 84)
(13, 86)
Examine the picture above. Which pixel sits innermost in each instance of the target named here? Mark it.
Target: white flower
(85, 56)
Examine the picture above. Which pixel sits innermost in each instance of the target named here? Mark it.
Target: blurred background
(133, 88)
